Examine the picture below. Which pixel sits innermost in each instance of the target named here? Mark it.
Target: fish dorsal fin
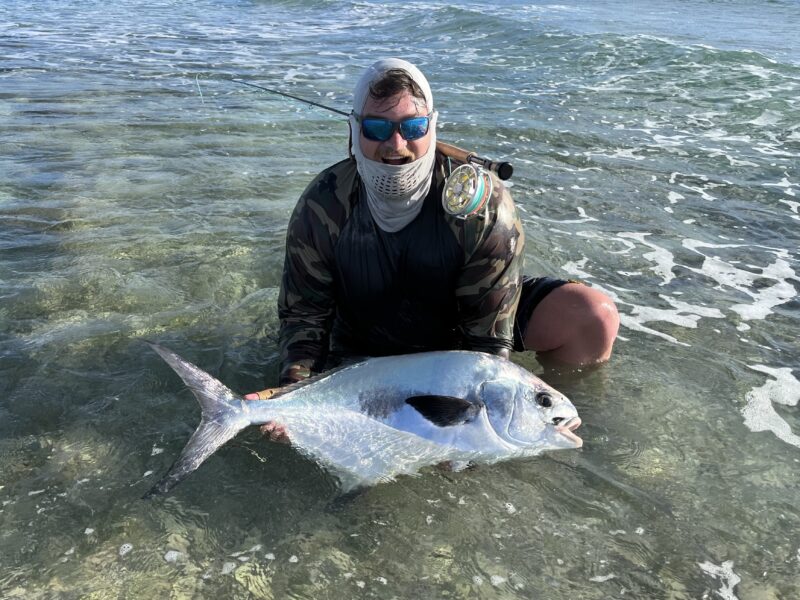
(290, 387)
(445, 411)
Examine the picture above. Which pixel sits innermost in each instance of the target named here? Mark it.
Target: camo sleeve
(489, 285)
(306, 303)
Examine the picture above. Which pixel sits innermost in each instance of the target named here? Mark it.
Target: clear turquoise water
(145, 196)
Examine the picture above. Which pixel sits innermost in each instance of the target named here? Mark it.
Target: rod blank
(504, 170)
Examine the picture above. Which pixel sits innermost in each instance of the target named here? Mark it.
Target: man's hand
(274, 431)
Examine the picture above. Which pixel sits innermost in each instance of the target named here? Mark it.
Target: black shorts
(534, 290)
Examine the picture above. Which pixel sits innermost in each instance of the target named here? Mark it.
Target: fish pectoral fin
(444, 411)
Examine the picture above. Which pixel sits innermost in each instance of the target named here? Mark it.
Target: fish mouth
(567, 429)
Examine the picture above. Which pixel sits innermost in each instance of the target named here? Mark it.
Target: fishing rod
(502, 169)
(266, 89)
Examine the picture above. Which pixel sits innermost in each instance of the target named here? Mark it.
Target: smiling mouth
(567, 429)
(395, 160)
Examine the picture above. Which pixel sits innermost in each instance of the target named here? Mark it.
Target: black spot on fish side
(444, 411)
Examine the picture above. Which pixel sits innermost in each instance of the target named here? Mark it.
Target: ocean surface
(144, 195)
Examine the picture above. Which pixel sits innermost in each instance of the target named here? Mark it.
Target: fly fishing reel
(466, 191)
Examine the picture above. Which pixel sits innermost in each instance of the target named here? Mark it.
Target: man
(375, 266)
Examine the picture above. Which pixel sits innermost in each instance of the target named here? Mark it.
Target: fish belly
(360, 450)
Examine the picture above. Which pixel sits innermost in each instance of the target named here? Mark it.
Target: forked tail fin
(224, 415)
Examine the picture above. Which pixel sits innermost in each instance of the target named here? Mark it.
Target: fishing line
(274, 91)
(197, 82)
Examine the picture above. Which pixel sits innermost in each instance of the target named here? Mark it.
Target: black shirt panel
(394, 291)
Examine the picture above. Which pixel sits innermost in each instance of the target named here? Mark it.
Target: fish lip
(567, 429)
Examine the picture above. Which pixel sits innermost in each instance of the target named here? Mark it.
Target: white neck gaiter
(395, 193)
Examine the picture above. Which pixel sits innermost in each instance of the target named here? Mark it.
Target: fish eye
(544, 400)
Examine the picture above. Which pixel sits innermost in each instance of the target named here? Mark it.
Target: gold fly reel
(466, 191)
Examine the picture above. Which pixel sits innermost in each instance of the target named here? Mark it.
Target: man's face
(395, 150)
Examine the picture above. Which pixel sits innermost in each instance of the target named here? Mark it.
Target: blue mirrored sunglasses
(380, 130)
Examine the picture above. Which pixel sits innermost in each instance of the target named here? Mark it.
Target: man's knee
(600, 322)
(575, 324)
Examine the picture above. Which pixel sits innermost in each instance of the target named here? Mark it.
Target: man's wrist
(294, 373)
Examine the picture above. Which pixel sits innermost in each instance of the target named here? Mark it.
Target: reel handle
(504, 170)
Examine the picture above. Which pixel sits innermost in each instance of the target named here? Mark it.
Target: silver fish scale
(382, 386)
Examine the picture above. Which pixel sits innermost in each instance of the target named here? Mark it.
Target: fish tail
(224, 415)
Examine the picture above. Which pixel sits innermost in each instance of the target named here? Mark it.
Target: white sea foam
(764, 300)
(700, 190)
(786, 185)
(673, 141)
(576, 268)
(584, 218)
(619, 153)
(661, 257)
(728, 275)
(673, 197)
(759, 72)
(725, 574)
(767, 118)
(734, 162)
(699, 184)
(794, 206)
(759, 413)
(775, 150)
(682, 314)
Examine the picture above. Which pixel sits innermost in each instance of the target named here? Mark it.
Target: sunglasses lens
(380, 130)
(413, 129)
(377, 130)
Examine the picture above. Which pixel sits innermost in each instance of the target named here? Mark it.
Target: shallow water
(145, 196)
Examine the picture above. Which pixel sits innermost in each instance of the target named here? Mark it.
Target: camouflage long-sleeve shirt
(350, 288)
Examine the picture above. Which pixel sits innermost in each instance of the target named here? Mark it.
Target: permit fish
(371, 421)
